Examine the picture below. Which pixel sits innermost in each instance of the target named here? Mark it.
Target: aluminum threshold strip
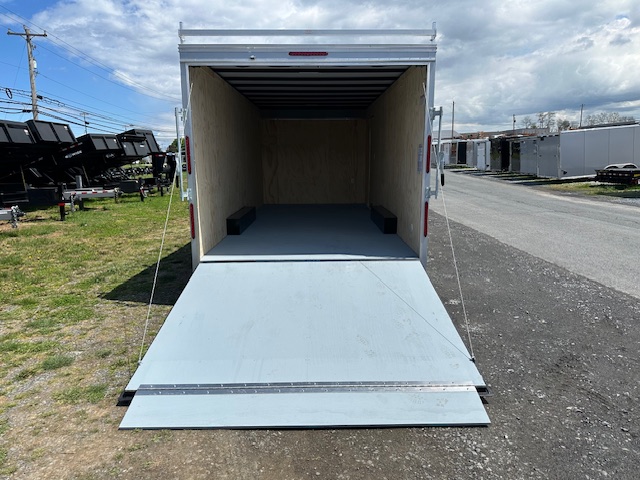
(300, 387)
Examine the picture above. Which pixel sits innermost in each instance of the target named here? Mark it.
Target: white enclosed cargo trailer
(587, 150)
(309, 181)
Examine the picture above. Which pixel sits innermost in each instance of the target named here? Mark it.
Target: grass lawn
(597, 188)
(73, 302)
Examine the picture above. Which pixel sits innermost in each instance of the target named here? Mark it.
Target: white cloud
(495, 58)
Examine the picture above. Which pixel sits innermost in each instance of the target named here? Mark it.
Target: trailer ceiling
(300, 91)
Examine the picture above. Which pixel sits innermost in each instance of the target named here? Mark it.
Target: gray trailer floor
(295, 343)
(311, 232)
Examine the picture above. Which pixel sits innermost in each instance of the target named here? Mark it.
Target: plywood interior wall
(397, 130)
(314, 161)
(226, 154)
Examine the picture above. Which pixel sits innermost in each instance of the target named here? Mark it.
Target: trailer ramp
(276, 343)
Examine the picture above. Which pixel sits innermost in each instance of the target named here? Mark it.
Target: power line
(78, 53)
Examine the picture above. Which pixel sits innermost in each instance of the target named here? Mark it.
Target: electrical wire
(78, 53)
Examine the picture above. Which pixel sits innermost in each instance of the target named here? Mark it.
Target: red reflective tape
(428, 160)
(193, 221)
(426, 218)
(188, 154)
(308, 54)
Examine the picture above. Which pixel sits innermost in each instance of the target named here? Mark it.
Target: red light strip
(308, 54)
(188, 154)
(428, 153)
(193, 221)
(426, 218)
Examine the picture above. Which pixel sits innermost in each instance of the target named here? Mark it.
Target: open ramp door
(322, 343)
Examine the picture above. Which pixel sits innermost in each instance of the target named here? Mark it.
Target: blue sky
(115, 62)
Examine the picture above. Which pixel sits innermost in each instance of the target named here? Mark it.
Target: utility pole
(32, 66)
(514, 124)
(581, 110)
(453, 116)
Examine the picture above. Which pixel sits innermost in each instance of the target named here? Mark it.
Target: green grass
(596, 188)
(55, 362)
(79, 285)
(76, 395)
(20, 347)
(57, 280)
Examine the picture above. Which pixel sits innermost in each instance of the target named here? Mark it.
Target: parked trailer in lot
(587, 150)
(309, 181)
(624, 173)
(472, 152)
(540, 156)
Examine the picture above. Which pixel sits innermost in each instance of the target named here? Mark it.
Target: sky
(111, 65)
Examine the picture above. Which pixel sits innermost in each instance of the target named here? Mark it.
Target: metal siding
(572, 153)
(621, 143)
(529, 156)
(596, 150)
(549, 156)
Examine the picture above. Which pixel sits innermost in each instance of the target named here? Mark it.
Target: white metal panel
(549, 156)
(289, 410)
(304, 322)
(621, 144)
(483, 148)
(572, 152)
(596, 150)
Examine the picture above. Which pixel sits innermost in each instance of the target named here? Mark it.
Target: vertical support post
(179, 154)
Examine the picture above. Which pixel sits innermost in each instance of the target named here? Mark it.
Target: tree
(527, 122)
(604, 118)
(563, 124)
(173, 148)
(547, 120)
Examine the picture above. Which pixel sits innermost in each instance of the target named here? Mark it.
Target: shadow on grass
(173, 275)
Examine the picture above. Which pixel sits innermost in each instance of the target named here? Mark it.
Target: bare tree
(604, 118)
(547, 120)
(527, 122)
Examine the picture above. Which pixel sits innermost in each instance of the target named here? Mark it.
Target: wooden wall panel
(226, 154)
(314, 161)
(397, 129)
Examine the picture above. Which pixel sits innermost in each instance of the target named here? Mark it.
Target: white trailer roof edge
(183, 33)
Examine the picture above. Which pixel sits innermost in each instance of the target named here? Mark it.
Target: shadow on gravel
(173, 275)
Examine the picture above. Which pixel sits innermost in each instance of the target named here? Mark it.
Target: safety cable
(155, 276)
(455, 265)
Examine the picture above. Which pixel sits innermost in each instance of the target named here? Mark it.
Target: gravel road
(597, 239)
